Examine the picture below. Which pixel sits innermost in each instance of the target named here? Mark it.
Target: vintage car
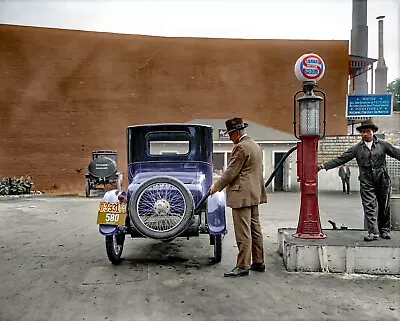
(102, 170)
(170, 175)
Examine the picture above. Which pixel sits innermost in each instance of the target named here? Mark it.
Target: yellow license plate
(99, 186)
(112, 213)
(113, 207)
(110, 218)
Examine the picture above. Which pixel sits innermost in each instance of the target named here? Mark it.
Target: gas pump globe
(309, 69)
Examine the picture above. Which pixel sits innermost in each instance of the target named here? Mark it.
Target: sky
(249, 19)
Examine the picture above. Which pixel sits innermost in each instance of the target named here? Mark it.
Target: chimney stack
(359, 41)
(381, 69)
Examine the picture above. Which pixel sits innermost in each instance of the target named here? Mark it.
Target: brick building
(65, 93)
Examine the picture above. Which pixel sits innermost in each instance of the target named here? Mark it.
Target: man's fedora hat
(367, 124)
(235, 123)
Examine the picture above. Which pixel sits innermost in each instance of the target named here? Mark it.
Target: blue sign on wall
(369, 105)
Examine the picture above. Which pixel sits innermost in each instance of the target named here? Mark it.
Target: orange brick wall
(66, 93)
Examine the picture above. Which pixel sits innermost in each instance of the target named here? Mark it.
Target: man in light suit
(244, 182)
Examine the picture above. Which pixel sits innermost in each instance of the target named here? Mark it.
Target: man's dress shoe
(237, 272)
(259, 267)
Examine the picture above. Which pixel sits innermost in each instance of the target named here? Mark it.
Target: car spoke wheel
(161, 208)
(114, 247)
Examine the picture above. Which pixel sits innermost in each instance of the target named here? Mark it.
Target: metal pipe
(372, 78)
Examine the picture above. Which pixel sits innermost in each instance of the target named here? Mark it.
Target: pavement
(54, 267)
(345, 237)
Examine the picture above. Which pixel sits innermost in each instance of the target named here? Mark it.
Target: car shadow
(193, 253)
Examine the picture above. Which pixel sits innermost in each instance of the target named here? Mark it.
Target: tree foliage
(394, 88)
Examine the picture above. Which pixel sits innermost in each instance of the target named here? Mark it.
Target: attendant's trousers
(248, 235)
(375, 197)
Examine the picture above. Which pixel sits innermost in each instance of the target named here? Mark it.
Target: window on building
(218, 163)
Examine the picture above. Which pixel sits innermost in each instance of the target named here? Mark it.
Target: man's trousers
(248, 235)
(375, 197)
(346, 183)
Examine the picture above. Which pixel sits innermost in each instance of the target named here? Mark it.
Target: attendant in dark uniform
(374, 179)
(244, 182)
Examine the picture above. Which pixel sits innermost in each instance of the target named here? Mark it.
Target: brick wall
(333, 146)
(66, 93)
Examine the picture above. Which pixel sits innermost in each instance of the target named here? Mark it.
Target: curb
(35, 193)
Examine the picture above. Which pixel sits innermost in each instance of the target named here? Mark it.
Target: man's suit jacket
(344, 172)
(243, 178)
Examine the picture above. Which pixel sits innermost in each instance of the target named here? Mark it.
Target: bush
(4, 186)
(15, 185)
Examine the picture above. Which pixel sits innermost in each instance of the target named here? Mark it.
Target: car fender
(106, 229)
(216, 219)
(112, 196)
(132, 188)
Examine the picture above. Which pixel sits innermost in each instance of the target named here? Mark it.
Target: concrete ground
(54, 267)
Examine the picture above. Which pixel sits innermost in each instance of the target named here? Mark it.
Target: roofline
(168, 124)
(167, 37)
(364, 58)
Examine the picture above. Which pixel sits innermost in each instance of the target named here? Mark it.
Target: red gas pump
(309, 69)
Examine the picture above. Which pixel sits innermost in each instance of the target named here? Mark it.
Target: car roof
(169, 124)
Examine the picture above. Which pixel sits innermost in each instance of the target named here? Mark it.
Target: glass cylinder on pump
(309, 106)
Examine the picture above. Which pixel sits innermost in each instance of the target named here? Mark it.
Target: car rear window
(168, 143)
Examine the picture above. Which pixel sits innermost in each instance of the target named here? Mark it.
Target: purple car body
(191, 166)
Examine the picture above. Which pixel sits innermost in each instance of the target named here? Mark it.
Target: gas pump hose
(203, 200)
(279, 165)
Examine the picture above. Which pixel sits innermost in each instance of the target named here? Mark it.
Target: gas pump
(309, 69)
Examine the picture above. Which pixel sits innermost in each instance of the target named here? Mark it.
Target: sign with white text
(369, 105)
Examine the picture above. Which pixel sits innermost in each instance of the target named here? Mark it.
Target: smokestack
(359, 41)
(381, 69)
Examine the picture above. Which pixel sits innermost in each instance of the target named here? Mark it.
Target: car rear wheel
(161, 208)
(114, 247)
(87, 188)
(216, 241)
